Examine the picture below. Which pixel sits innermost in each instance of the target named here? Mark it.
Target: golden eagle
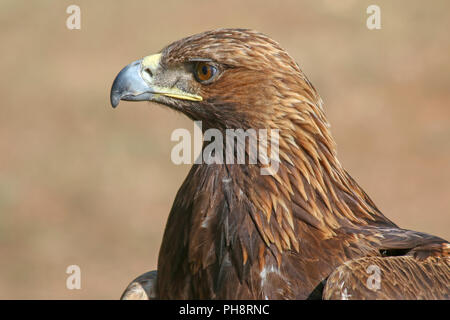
(307, 230)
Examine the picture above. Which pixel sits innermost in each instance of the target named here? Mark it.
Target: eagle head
(226, 78)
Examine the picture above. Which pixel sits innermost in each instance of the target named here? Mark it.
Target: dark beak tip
(115, 99)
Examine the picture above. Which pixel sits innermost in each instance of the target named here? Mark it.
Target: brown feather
(233, 233)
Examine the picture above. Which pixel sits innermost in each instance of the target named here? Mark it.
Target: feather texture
(233, 233)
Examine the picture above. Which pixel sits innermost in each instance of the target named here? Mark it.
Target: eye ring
(205, 72)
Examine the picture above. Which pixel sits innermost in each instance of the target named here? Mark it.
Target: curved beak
(136, 82)
(129, 85)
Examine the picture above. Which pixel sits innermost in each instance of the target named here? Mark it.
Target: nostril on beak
(148, 71)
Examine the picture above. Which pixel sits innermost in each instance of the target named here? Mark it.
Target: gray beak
(136, 82)
(129, 85)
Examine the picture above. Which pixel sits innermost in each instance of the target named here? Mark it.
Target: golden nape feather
(307, 230)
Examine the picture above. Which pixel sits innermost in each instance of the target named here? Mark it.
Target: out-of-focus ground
(81, 183)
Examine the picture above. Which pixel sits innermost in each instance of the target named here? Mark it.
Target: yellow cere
(151, 61)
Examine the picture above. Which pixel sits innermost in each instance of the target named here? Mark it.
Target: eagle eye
(204, 72)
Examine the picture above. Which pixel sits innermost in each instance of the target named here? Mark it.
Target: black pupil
(205, 70)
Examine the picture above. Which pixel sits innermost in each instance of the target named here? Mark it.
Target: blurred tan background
(81, 183)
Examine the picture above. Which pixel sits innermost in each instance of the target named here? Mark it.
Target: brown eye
(204, 71)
